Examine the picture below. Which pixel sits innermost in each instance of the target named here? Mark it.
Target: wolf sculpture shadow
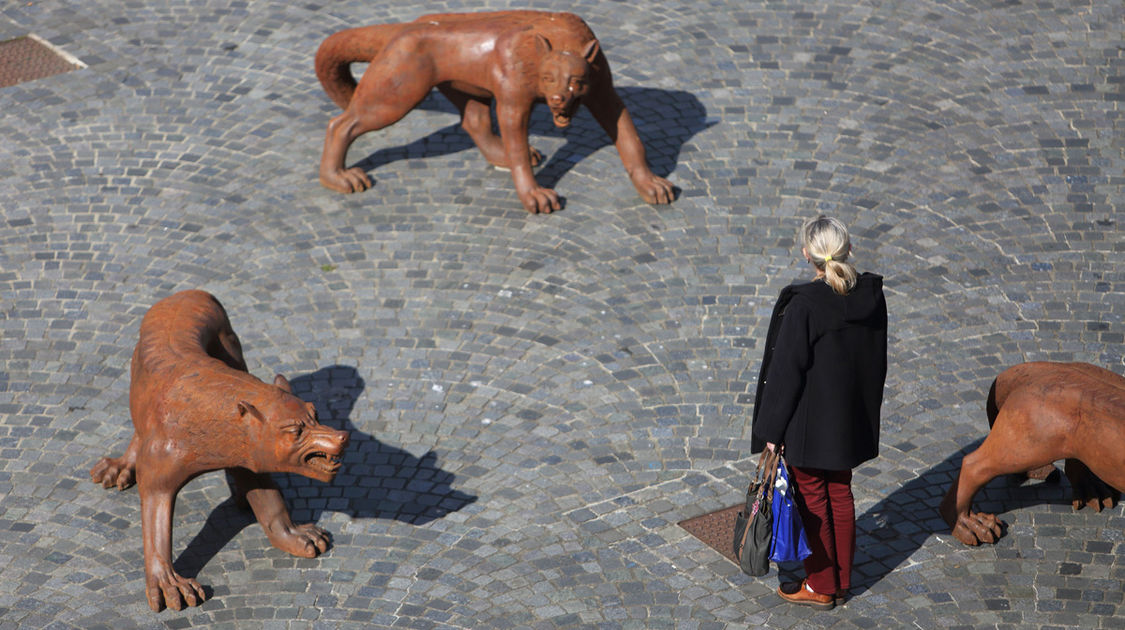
(377, 480)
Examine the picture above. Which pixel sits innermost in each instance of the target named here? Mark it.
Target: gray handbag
(753, 528)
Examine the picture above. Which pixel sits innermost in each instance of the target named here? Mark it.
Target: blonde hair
(826, 241)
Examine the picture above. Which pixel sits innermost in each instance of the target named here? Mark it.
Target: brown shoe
(797, 594)
(841, 596)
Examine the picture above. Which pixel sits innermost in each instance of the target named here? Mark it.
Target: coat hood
(865, 298)
(864, 302)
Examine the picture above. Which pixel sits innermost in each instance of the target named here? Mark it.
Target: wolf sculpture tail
(340, 50)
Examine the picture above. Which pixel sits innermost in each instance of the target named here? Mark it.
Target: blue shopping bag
(789, 541)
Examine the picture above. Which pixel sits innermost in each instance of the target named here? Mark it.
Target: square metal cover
(29, 57)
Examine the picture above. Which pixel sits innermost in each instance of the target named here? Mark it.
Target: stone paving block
(535, 401)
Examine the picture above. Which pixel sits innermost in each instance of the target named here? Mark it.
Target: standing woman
(818, 399)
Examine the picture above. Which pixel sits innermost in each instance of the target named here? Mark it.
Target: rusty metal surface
(716, 530)
(26, 59)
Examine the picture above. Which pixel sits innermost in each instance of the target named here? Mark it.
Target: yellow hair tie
(828, 258)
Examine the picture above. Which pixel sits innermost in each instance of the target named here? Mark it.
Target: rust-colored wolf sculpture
(195, 409)
(517, 58)
(1041, 412)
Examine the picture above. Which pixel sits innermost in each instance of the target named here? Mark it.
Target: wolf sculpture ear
(282, 383)
(542, 43)
(246, 408)
(591, 51)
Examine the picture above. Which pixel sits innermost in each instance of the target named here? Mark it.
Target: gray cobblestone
(536, 401)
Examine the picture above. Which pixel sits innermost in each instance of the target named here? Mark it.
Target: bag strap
(763, 479)
(766, 473)
(771, 474)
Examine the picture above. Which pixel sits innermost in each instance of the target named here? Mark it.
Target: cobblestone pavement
(537, 401)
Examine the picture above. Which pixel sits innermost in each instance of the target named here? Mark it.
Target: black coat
(821, 383)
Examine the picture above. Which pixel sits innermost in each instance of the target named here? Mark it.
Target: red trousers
(824, 498)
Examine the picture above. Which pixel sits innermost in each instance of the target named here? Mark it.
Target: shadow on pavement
(377, 480)
(893, 529)
(665, 120)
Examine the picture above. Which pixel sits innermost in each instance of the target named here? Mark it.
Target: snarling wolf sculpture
(515, 58)
(195, 409)
(1039, 413)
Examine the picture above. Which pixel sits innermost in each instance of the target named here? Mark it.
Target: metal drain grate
(716, 530)
(28, 58)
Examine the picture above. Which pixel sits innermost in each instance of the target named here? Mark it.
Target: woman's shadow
(892, 530)
(377, 480)
(665, 121)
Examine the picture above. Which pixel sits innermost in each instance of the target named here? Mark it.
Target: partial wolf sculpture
(195, 409)
(1041, 412)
